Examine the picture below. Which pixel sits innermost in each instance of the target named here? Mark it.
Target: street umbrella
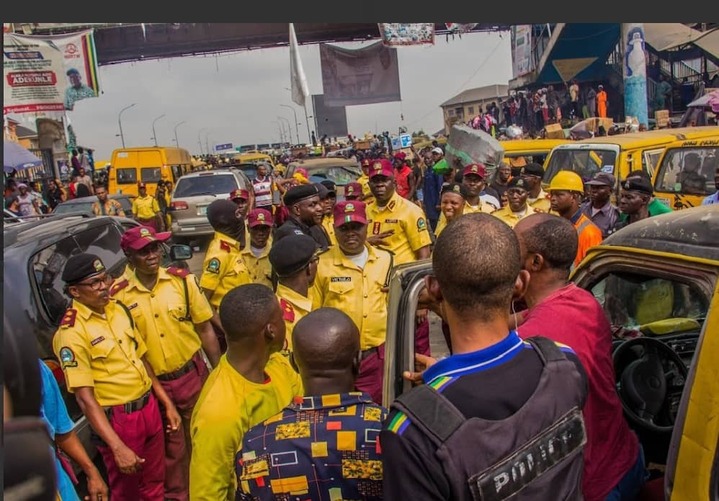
(16, 157)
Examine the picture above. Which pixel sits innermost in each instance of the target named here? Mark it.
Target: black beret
(517, 182)
(81, 266)
(533, 169)
(457, 188)
(292, 253)
(300, 192)
(330, 185)
(640, 184)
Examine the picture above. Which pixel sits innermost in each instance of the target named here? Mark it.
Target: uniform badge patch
(288, 313)
(340, 279)
(421, 224)
(97, 340)
(67, 357)
(213, 266)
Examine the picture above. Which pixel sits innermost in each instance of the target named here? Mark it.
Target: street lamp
(279, 129)
(154, 135)
(307, 120)
(297, 129)
(199, 138)
(119, 122)
(177, 143)
(289, 131)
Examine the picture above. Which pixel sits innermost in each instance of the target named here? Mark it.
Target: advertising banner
(359, 76)
(521, 50)
(46, 75)
(406, 33)
(331, 121)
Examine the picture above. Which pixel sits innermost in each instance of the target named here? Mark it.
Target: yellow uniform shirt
(294, 307)
(341, 284)
(328, 223)
(409, 225)
(103, 352)
(145, 207)
(468, 209)
(171, 341)
(259, 268)
(541, 202)
(363, 180)
(223, 269)
(512, 218)
(227, 407)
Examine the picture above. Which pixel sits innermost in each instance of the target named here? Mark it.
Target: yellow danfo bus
(148, 164)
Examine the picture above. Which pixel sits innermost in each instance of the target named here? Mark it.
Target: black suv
(35, 254)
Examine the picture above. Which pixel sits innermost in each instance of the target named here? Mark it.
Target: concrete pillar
(634, 71)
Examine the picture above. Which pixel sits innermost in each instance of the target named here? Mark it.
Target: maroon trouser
(142, 432)
(371, 373)
(183, 391)
(152, 223)
(421, 338)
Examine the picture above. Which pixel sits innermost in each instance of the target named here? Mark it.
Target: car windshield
(585, 162)
(205, 184)
(690, 171)
(340, 175)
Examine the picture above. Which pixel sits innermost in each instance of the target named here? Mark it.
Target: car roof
(50, 228)
(92, 198)
(199, 173)
(690, 232)
(322, 162)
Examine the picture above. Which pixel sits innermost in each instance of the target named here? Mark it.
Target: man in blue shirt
(60, 428)
(323, 445)
(713, 199)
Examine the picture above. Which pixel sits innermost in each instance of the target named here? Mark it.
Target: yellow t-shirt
(363, 180)
(171, 342)
(103, 352)
(329, 226)
(512, 218)
(227, 407)
(294, 306)
(223, 268)
(468, 209)
(341, 284)
(145, 207)
(541, 202)
(259, 268)
(409, 225)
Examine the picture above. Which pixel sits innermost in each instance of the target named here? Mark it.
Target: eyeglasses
(97, 283)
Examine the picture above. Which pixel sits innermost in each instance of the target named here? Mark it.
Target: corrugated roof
(478, 94)
(665, 36)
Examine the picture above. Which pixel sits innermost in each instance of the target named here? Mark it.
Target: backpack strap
(547, 349)
(431, 410)
(182, 274)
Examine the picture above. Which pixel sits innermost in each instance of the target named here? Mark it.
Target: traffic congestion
(191, 373)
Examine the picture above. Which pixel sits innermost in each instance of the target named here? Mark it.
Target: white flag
(297, 74)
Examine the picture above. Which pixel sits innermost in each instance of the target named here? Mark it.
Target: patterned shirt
(318, 447)
(109, 208)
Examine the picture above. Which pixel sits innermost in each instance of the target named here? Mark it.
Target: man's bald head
(247, 309)
(552, 237)
(325, 341)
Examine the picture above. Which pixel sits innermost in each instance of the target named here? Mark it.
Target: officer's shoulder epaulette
(178, 272)
(118, 286)
(225, 246)
(68, 320)
(537, 210)
(496, 210)
(288, 312)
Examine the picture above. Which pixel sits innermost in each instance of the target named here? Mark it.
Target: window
(47, 265)
(584, 162)
(450, 113)
(690, 171)
(470, 110)
(459, 112)
(632, 300)
(127, 175)
(211, 184)
(650, 159)
(151, 174)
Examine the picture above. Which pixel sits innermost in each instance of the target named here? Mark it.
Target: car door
(693, 460)
(405, 286)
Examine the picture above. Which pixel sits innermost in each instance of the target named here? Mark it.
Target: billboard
(330, 120)
(359, 76)
(521, 36)
(47, 75)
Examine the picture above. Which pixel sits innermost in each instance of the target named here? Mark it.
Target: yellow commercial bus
(520, 152)
(619, 154)
(687, 172)
(148, 164)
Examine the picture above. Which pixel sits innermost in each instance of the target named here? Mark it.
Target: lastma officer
(102, 356)
(173, 317)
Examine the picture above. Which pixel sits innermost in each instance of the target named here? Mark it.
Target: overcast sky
(235, 98)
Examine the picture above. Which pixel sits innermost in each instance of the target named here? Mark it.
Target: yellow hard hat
(567, 180)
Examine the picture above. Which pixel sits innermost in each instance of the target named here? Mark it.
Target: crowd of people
(262, 378)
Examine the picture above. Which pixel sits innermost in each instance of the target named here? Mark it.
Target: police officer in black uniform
(305, 215)
(500, 417)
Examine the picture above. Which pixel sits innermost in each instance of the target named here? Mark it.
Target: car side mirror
(180, 252)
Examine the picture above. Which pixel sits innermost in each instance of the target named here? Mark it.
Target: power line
(461, 87)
